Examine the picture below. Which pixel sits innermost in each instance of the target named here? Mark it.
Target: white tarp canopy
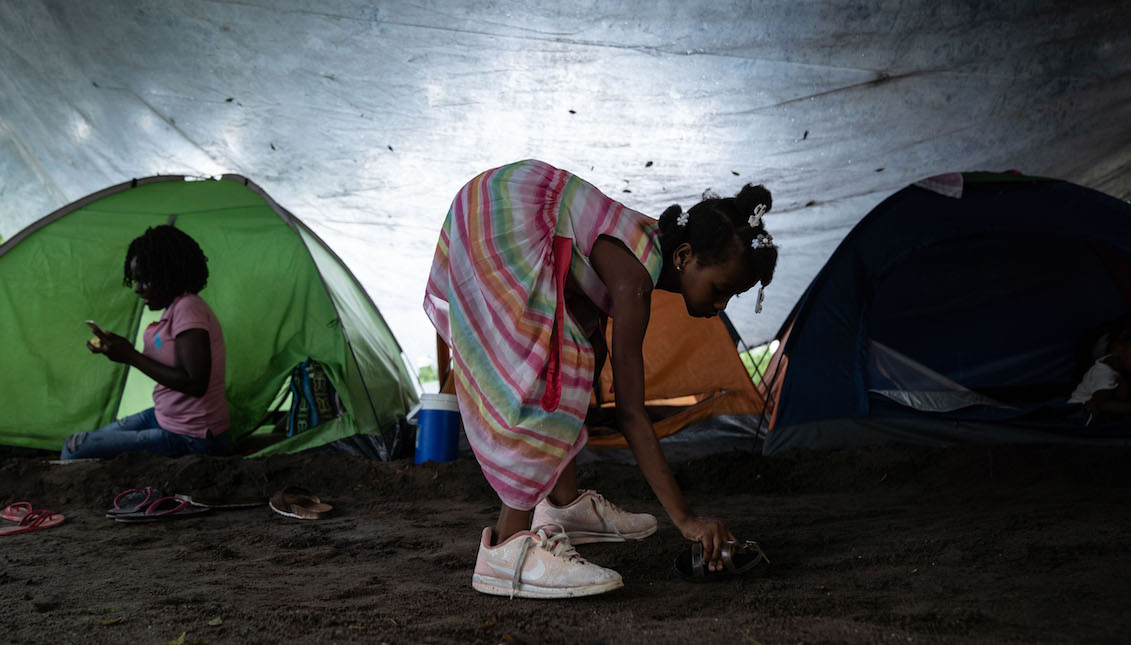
(364, 119)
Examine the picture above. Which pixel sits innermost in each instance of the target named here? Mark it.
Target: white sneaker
(592, 518)
(540, 564)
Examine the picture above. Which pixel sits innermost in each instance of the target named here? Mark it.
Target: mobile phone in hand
(96, 341)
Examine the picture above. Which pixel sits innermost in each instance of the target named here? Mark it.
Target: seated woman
(1105, 390)
(184, 353)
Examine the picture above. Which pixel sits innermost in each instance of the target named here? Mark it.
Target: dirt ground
(961, 545)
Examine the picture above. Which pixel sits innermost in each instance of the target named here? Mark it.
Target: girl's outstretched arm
(630, 287)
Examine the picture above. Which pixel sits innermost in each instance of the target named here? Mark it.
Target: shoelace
(599, 505)
(556, 543)
(605, 501)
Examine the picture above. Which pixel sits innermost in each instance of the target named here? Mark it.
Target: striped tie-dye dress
(515, 240)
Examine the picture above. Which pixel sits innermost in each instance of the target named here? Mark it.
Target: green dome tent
(281, 296)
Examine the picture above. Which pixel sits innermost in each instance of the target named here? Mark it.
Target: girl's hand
(711, 534)
(115, 347)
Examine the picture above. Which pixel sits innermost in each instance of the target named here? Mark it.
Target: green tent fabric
(280, 294)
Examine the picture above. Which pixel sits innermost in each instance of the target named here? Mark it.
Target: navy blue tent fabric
(994, 291)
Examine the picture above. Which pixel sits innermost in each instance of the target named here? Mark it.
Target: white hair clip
(762, 241)
(682, 219)
(756, 219)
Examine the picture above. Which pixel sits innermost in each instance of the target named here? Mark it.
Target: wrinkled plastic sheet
(365, 119)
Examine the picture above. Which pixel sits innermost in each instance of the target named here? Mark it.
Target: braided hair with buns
(719, 227)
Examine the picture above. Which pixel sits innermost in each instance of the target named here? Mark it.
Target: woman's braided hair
(170, 259)
(718, 227)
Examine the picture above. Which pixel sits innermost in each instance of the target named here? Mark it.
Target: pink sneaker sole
(500, 587)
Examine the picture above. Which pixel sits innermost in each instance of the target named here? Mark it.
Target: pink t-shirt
(176, 411)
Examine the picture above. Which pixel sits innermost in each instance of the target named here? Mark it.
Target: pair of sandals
(739, 559)
(27, 518)
(150, 505)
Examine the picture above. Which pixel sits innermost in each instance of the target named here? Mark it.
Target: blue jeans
(140, 433)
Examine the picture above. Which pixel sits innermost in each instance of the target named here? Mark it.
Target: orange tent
(692, 372)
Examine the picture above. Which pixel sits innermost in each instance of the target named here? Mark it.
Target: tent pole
(740, 341)
(770, 387)
(761, 375)
(135, 327)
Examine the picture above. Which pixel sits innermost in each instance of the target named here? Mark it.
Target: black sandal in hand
(739, 558)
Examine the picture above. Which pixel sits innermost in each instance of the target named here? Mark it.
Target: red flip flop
(134, 500)
(16, 512)
(34, 521)
(166, 508)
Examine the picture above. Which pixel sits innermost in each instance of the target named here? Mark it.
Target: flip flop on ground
(134, 500)
(739, 558)
(299, 503)
(163, 509)
(16, 511)
(34, 521)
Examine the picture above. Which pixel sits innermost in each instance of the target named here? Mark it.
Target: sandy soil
(965, 545)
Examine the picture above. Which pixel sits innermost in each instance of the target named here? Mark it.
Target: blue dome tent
(944, 319)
